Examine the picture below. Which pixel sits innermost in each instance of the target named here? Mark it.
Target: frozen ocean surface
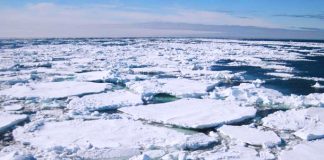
(161, 98)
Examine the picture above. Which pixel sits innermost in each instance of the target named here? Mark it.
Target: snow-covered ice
(154, 70)
(253, 136)
(13, 107)
(8, 121)
(193, 113)
(253, 94)
(160, 98)
(114, 133)
(307, 123)
(307, 150)
(249, 93)
(105, 101)
(177, 87)
(233, 153)
(51, 90)
(93, 76)
(282, 75)
(317, 85)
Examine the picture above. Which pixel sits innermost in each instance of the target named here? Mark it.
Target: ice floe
(193, 113)
(249, 93)
(114, 133)
(306, 123)
(13, 107)
(155, 70)
(94, 76)
(254, 94)
(105, 101)
(317, 85)
(173, 86)
(233, 153)
(252, 136)
(17, 156)
(307, 150)
(51, 90)
(282, 75)
(7, 121)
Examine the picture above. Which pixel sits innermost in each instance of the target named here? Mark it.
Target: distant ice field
(287, 66)
(161, 98)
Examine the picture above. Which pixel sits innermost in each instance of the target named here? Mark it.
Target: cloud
(307, 16)
(47, 19)
(117, 20)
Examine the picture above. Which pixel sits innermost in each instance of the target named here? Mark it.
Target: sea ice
(282, 75)
(93, 76)
(105, 101)
(317, 85)
(154, 70)
(307, 123)
(198, 141)
(306, 150)
(253, 94)
(52, 90)
(250, 135)
(173, 86)
(193, 113)
(7, 121)
(233, 153)
(249, 93)
(108, 153)
(116, 133)
(13, 107)
(17, 156)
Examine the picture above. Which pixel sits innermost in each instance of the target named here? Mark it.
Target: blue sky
(44, 18)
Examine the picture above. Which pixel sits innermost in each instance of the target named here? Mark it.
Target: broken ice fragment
(8, 121)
